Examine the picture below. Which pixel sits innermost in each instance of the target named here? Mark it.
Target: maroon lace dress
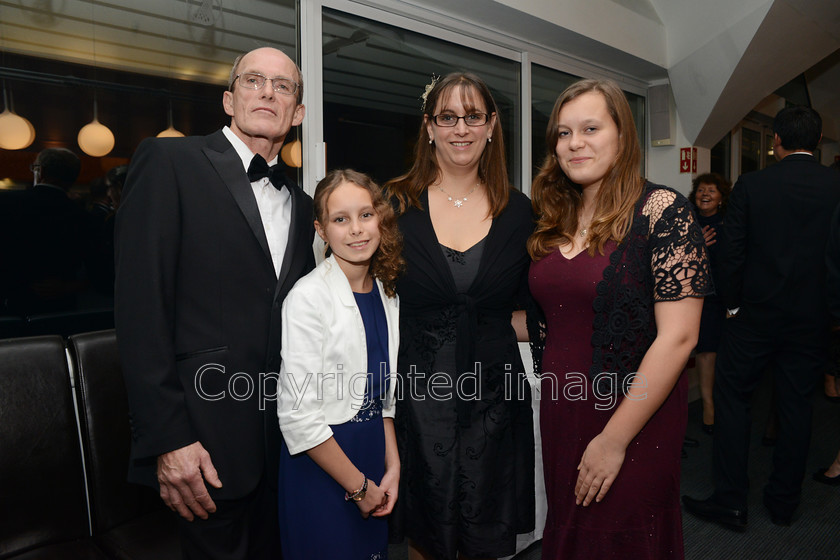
(598, 315)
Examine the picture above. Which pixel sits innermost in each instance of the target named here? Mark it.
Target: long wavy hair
(492, 169)
(387, 262)
(557, 200)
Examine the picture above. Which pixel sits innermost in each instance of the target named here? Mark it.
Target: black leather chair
(43, 509)
(129, 521)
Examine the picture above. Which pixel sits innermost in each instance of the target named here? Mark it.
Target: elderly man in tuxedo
(774, 286)
(209, 239)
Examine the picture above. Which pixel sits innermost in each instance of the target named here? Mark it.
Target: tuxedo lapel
(229, 167)
(296, 227)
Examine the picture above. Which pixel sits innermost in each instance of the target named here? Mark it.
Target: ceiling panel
(186, 39)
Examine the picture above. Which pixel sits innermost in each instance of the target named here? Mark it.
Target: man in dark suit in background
(773, 281)
(44, 268)
(208, 243)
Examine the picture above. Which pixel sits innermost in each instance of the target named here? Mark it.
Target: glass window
(637, 108)
(750, 150)
(141, 62)
(546, 86)
(137, 59)
(769, 153)
(721, 155)
(374, 76)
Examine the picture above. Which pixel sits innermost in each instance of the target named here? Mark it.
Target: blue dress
(316, 523)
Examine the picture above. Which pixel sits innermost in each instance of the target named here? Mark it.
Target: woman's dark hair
(716, 179)
(492, 170)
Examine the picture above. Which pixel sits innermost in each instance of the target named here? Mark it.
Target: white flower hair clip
(429, 87)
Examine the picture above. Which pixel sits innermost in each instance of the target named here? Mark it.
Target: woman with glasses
(464, 428)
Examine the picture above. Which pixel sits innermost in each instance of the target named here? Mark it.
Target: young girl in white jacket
(339, 468)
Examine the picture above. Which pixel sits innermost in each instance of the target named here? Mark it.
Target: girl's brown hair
(557, 200)
(387, 262)
(492, 170)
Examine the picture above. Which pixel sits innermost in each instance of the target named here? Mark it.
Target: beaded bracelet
(359, 494)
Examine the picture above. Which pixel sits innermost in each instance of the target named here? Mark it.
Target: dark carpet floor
(815, 532)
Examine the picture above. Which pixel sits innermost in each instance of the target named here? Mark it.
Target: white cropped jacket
(324, 370)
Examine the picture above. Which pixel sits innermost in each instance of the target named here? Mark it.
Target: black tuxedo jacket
(777, 224)
(198, 308)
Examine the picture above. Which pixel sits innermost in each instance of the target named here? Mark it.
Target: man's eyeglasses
(33, 167)
(472, 119)
(252, 80)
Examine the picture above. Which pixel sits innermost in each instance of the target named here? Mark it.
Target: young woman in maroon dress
(620, 272)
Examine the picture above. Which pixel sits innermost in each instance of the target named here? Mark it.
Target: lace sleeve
(679, 261)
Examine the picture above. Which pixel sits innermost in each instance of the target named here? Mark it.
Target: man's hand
(182, 486)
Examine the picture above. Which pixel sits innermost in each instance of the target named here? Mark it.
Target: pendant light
(170, 132)
(16, 133)
(95, 139)
(290, 153)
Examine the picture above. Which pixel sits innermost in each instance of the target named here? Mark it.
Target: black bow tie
(259, 169)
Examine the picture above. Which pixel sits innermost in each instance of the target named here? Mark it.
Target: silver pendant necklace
(458, 202)
(585, 229)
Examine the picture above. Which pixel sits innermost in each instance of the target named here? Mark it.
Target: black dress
(714, 312)
(466, 442)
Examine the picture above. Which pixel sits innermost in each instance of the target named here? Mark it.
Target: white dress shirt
(275, 205)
